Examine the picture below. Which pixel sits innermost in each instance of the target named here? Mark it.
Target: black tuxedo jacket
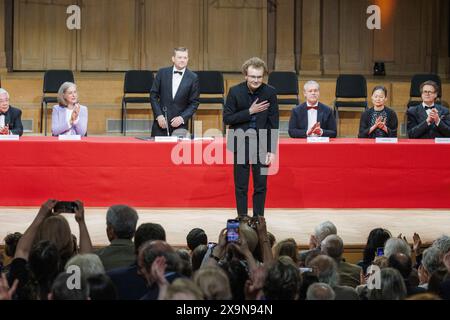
(391, 123)
(13, 118)
(298, 122)
(236, 114)
(184, 104)
(418, 127)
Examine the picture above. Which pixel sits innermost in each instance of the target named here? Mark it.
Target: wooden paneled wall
(313, 37)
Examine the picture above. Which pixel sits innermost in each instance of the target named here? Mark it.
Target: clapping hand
(75, 113)
(4, 130)
(315, 129)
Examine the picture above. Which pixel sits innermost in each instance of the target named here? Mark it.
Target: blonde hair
(214, 283)
(62, 90)
(256, 63)
(186, 286)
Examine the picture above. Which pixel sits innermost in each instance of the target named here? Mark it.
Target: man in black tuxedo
(10, 117)
(175, 91)
(251, 111)
(312, 118)
(428, 120)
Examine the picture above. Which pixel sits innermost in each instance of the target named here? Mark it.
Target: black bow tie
(179, 72)
(428, 108)
(2, 114)
(312, 107)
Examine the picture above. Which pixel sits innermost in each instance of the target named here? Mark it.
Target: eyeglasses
(256, 77)
(428, 92)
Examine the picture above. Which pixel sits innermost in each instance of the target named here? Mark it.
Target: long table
(345, 173)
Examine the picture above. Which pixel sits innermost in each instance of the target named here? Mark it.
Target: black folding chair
(350, 86)
(136, 82)
(414, 92)
(53, 79)
(210, 83)
(286, 84)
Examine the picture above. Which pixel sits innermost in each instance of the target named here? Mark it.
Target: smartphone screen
(65, 207)
(380, 252)
(232, 230)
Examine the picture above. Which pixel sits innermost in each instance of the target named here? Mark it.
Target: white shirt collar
(310, 105)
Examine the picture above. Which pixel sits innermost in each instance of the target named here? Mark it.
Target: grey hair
(62, 90)
(325, 229)
(396, 245)
(431, 259)
(123, 220)
(311, 83)
(333, 246)
(89, 264)
(442, 243)
(326, 270)
(392, 286)
(3, 91)
(320, 291)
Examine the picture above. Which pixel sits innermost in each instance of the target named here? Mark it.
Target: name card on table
(166, 139)
(386, 140)
(12, 137)
(69, 137)
(318, 139)
(442, 140)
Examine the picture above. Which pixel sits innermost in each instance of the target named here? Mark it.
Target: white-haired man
(10, 117)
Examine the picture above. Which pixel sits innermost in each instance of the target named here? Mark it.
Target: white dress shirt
(176, 80)
(428, 112)
(2, 121)
(312, 119)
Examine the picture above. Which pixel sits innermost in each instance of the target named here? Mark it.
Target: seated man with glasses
(10, 117)
(428, 120)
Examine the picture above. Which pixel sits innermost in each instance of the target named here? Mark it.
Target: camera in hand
(232, 230)
(65, 207)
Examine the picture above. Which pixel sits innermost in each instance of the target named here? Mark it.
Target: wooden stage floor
(353, 225)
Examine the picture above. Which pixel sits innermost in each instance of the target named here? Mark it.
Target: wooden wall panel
(161, 34)
(2, 36)
(41, 38)
(236, 31)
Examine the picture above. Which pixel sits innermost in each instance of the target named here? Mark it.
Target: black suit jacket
(418, 127)
(298, 122)
(391, 123)
(13, 118)
(236, 114)
(184, 104)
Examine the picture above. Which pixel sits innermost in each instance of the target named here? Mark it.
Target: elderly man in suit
(312, 118)
(174, 93)
(428, 120)
(10, 117)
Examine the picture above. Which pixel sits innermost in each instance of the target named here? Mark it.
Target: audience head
(195, 238)
(320, 291)
(283, 280)
(324, 229)
(237, 272)
(214, 283)
(287, 247)
(325, 269)
(443, 244)
(376, 239)
(67, 94)
(250, 235)
(396, 245)
(148, 253)
(402, 263)
(333, 246)
(61, 291)
(392, 286)
(11, 241)
(89, 264)
(197, 257)
(308, 278)
(148, 232)
(101, 287)
(57, 230)
(431, 260)
(185, 267)
(183, 289)
(121, 221)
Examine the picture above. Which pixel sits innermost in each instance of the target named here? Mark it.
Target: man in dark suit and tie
(312, 118)
(175, 91)
(10, 117)
(251, 111)
(428, 120)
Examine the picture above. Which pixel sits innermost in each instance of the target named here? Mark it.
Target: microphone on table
(167, 120)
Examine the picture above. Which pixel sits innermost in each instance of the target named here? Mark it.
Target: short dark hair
(197, 256)
(122, 219)
(402, 263)
(283, 281)
(148, 232)
(195, 238)
(382, 88)
(179, 49)
(101, 288)
(430, 83)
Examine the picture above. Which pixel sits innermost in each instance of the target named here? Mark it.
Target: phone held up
(65, 207)
(232, 230)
